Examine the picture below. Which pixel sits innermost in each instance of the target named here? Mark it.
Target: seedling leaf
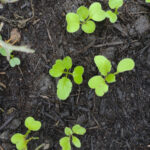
(77, 74)
(98, 83)
(14, 61)
(64, 87)
(126, 64)
(88, 27)
(83, 13)
(68, 131)
(73, 22)
(57, 69)
(32, 124)
(76, 142)
(103, 64)
(147, 1)
(3, 51)
(115, 3)
(67, 61)
(112, 16)
(65, 143)
(77, 129)
(16, 138)
(96, 13)
(110, 78)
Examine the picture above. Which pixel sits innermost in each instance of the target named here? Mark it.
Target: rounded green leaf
(57, 69)
(14, 61)
(67, 61)
(16, 138)
(32, 124)
(3, 51)
(112, 16)
(126, 64)
(76, 142)
(88, 27)
(77, 74)
(98, 83)
(147, 1)
(73, 22)
(103, 64)
(77, 129)
(96, 13)
(115, 3)
(64, 88)
(83, 13)
(68, 131)
(65, 143)
(110, 78)
(21, 145)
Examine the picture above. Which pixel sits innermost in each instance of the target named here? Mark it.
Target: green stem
(27, 133)
(116, 11)
(32, 138)
(115, 73)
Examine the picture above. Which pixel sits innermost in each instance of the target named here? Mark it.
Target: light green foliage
(147, 1)
(14, 61)
(84, 16)
(111, 16)
(64, 85)
(64, 88)
(104, 66)
(20, 140)
(65, 142)
(113, 4)
(32, 124)
(8, 1)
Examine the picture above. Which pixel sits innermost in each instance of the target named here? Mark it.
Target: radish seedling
(65, 142)
(84, 16)
(104, 66)
(64, 85)
(21, 140)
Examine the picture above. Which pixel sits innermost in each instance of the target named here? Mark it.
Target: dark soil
(120, 120)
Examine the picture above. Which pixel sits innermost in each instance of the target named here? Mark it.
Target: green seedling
(86, 18)
(147, 1)
(98, 82)
(7, 49)
(21, 140)
(65, 142)
(64, 85)
(115, 4)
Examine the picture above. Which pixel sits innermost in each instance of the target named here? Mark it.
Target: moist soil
(120, 120)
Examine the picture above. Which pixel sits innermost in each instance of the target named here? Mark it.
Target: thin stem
(65, 72)
(27, 133)
(116, 11)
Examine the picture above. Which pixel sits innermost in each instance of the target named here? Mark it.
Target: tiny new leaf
(126, 64)
(83, 13)
(77, 129)
(67, 62)
(115, 4)
(96, 13)
(65, 143)
(76, 142)
(88, 27)
(32, 124)
(68, 131)
(77, 74)
(57, 69)
(110, 78)
(103, 64)
(73, 22)
(64, 88)
(112, 16)
(14, 61)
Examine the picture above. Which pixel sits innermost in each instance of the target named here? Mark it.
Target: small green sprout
(21, 140)
(65, 142)
(84, 16)
(115, 4)
(7, 49)
(147, 1)
(104, 66)
(64, 85)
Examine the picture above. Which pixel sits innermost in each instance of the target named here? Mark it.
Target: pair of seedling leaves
(21, 140)
(65, 142)
(64, 85)
(86, 17)
(13, 60)
(104, 66)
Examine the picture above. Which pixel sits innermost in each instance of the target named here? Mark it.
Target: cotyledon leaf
(77, 74)
(83, 13)
(65, 143)
(77, 129)
(115, 3)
